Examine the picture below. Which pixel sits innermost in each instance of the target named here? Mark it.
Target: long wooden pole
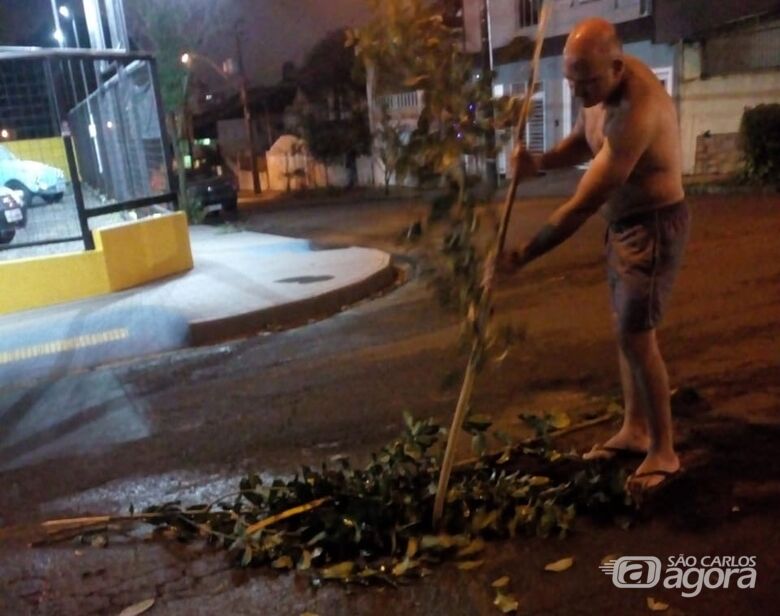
(471, 367)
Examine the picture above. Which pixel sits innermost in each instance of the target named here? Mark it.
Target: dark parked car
(13, 216)
(214, 187)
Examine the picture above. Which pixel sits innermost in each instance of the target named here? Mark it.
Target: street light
(5, 134)
(65, 12)
(59, 36)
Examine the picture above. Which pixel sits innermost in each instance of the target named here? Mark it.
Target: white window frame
(519, 17)
(568, 121)
(539, 98)
(666, 73)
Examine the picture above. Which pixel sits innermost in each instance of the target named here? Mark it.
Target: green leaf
(304, 563)
(138, 608)
(478, 444)
(506, 603)
(411, 547)
(402, 567)
(246, 559)
(468, 565)
(338, 571)
(560, 420)
(560, 565)
(477, 423)
(482, 519)
(656, 606)
(283, 562)
(472, 548)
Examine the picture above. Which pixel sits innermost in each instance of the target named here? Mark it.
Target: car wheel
(55, 198)
(231, 205)
(7, 235)
(17, 185)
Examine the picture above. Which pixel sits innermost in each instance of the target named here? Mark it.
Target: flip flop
(667, 477)
(603, 452)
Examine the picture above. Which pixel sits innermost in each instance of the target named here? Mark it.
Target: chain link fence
(82, 145)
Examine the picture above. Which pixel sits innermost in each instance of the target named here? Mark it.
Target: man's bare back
(656, 180)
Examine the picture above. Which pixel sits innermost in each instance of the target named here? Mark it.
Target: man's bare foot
(626, 441)
(654, 470)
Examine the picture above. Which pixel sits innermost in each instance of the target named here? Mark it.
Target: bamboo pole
(471, 367)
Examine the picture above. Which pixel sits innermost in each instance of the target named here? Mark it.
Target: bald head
(593, 60)
(594, 38)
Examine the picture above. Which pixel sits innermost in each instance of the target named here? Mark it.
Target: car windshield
(5, 154)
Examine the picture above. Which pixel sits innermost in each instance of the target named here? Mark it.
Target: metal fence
(82, 138)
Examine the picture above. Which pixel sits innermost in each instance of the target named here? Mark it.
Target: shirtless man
(628, 126)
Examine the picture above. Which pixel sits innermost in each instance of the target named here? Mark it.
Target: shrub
(761, 134)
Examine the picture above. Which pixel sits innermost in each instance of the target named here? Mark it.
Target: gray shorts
(644, 253)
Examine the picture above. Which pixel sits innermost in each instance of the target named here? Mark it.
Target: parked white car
(31, 178)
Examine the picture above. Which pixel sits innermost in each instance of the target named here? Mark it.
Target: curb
(286, 316)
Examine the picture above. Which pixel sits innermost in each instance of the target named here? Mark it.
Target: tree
(389, 147)
(327, 75)
(169, 28)
(335, 126)
(409, 44)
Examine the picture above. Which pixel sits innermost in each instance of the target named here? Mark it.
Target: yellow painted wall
(148, 249)
(42, 281)
(125, 256)
(48, 151)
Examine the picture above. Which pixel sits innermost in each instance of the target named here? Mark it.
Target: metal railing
(83, 138)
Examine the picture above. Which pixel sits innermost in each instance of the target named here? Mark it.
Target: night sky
(274, 30)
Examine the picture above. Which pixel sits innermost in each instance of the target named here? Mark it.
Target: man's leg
(633, 434)
(651, 383)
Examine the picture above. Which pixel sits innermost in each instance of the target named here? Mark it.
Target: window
(528, 13)
(665, 76)
(645, 7)
(535, 138)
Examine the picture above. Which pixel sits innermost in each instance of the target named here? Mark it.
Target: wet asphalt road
(187, 424)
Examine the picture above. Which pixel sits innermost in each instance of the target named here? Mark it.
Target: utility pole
(491, 170)
(248, 118)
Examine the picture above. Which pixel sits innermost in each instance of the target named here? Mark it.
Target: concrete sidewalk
(243, 282)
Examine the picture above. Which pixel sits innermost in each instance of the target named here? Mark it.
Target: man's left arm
(624, 144)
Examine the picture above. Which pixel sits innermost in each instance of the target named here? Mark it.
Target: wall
(125, 256)
(716, 104)
(565, 14)
(719, 154)
(49, 151)
(551, 75)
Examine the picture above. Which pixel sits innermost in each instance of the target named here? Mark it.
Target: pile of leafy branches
(373, 525)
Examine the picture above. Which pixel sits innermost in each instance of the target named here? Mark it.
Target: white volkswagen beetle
(31, 178)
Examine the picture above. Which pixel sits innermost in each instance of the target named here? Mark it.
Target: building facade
(556, 109)
(729, 59)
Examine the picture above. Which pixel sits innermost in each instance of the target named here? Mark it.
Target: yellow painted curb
(125, 256)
